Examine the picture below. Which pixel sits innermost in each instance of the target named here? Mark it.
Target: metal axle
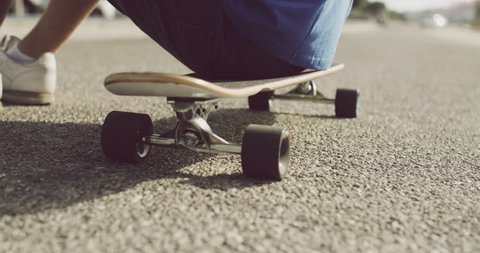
(306, 91)
(158, 140)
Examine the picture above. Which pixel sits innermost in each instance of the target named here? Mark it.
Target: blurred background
(426, 13)
(32, 7)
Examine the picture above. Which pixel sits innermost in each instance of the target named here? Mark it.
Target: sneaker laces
(8, 41)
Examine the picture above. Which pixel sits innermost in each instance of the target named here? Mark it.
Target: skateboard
(264, 151)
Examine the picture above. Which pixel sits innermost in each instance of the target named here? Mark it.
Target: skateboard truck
(305, 91)
(128, 136)
(345, 100)
(192, 130)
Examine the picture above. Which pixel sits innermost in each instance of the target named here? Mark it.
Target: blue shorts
(198, 34)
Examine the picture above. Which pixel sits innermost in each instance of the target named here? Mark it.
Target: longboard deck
(185, 86)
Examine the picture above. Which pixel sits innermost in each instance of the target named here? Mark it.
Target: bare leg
(55, 26)
(4, 7)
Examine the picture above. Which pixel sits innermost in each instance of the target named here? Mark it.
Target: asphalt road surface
(402, 177)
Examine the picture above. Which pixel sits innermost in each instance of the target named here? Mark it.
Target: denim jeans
(198, 34)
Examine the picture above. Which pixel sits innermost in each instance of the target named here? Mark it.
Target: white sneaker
(30, 84)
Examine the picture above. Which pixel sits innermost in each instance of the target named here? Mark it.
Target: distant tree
(477, 17)
(363, 9)
(359, 3)
(377, 10)
(358, 11)
(478, 8)
(397, 16)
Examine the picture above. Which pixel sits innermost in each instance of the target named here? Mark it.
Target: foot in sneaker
(29, 84)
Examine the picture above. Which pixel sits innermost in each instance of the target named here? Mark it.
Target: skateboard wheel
(265, 152)
(260, 101)
(346, 103)
(122, 134)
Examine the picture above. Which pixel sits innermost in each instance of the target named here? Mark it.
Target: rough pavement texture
(404, 176)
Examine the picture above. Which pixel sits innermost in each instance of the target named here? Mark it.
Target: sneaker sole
(27, 98)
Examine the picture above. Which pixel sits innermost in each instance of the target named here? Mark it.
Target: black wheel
(122, 134)
(260, 101)
(346, 103)
(265, 152)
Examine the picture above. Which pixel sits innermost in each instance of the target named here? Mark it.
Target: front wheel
(122, 134)
(346, 103)
(265, 152)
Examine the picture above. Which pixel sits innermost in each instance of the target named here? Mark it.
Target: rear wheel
(260, 101)
(122, 134)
